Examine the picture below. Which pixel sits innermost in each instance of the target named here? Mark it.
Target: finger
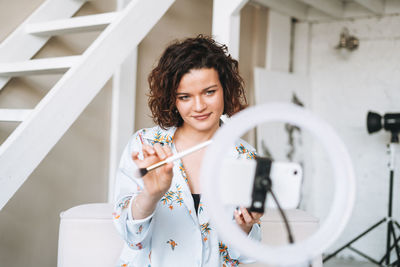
(168, 167)
(238, 217)
(135, 155)
(139, 163)
(146, 160)
(147, 150)
(256, 215)
(160, 151)
(246, 215)
(167, 150)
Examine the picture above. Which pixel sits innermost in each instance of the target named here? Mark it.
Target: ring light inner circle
(344, 182)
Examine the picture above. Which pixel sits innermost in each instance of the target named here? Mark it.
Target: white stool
(274, 232)
(88, 237)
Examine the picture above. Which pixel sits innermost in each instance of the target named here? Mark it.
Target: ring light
(344, 182)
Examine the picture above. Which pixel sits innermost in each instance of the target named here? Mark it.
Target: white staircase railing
(43, 126)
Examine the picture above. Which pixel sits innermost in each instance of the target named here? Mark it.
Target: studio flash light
(389, 121)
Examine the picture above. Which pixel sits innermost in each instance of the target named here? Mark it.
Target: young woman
(161, 216)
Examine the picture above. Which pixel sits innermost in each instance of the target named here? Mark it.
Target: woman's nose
(199, 104)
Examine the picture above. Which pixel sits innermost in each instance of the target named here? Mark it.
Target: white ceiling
(323, 10)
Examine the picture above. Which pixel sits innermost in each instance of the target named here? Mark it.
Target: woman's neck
(191, 136)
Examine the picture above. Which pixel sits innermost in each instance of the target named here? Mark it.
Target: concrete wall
(345, 86)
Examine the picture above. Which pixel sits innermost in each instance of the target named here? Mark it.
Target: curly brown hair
(178, 59)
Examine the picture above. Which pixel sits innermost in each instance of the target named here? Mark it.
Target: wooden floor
(334, 262)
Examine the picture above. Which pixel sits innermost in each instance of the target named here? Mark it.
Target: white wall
(344, 89)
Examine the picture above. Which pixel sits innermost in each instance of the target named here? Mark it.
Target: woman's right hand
(157, 181)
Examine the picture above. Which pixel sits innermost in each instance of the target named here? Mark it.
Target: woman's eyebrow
(209, 87)
(205, 89)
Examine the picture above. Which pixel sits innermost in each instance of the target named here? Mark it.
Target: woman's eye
(184, 97)
(210, 92)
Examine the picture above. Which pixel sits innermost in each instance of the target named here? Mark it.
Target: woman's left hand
(246, 219)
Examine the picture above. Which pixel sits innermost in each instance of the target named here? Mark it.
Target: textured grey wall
(344, 88)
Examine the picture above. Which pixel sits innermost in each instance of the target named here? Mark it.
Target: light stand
(391, 222)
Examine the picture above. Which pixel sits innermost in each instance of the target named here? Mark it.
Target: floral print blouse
(173, 235)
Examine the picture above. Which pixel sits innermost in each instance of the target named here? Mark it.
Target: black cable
(288, 229)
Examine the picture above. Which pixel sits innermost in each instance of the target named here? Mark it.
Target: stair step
(72, 25)
(38, 66)
(14, 114)
(19, 45)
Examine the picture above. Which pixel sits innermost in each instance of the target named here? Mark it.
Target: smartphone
(237, 178)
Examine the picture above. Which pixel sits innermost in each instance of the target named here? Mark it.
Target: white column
(278, 42)
(226, 23)
(122, 110)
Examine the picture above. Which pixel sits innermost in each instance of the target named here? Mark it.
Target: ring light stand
(292, 254)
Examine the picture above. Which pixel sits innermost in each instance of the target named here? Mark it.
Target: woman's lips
(202, 117)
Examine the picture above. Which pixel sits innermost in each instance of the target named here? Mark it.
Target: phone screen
(237, 177)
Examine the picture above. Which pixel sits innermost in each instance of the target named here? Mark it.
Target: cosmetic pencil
(143, 171)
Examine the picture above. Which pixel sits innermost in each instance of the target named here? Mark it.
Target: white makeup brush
(143, 171)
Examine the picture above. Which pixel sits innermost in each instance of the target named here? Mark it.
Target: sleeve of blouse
(254, 234)
(136, 233)
(235, 255)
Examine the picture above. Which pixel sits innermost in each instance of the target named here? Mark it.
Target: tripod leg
(354, 240)
(395, 243)
(390, 224)
(364, 255)
(389, 228)
(397, 224)
(392, 232)
(391, 248)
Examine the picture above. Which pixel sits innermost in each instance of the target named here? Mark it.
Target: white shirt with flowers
(173, 235)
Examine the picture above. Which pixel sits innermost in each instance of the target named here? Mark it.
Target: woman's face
(200, 99)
